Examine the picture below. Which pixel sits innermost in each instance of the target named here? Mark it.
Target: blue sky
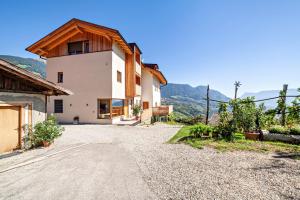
(196, 42)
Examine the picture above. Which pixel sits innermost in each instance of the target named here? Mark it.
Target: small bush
(45, 131)
(137, 110)
(200, 130)
(278, 129)
(295, 130)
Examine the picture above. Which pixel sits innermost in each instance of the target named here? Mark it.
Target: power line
(266, 99)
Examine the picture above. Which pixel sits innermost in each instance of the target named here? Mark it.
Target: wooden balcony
(162, 110)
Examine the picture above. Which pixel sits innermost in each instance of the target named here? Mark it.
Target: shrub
(137, 110)
(45, 131)
(278, 129)
(200, 130)
(225, 128)
(244, 114)
(295, 130)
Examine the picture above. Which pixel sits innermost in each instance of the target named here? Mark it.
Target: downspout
(46, 104)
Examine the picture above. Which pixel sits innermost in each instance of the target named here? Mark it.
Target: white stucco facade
(118, 64)
(150, 89)
(90, 77)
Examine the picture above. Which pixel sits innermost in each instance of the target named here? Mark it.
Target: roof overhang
(154, 69)
(49, 87)
(72, 28)
(134, 45)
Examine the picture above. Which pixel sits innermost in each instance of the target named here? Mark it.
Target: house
(105, 73)
(22, 102)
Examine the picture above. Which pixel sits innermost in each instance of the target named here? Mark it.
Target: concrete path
(87, 162)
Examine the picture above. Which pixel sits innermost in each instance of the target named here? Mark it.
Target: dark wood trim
(80, 54)
(19, 91)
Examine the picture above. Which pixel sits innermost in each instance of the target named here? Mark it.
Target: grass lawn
(240, 143)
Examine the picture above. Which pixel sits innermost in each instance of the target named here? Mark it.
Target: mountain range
(271, 93)
(190, 101)
(187, 100)
(30, 64)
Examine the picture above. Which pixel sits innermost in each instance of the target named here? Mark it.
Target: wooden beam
(55, 37)
(98, 33)
(79, 29)
(63, 39)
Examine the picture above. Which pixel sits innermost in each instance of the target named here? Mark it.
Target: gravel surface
(139, 158)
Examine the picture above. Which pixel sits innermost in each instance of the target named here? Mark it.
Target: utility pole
(283, 108)
(237, 84)
(207, 105)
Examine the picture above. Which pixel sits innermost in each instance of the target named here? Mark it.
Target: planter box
(252, 136)
(275, 137)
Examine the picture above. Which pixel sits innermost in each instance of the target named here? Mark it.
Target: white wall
(89, 77)
(118, 64)
(150, 89)
(138, 68)
(36, 100)
(147, 90)
(156, 92)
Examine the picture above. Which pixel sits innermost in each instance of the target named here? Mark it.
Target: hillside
(33, 65)
(188, 100)
(271, 93)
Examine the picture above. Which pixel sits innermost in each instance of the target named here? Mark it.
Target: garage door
(9, 128)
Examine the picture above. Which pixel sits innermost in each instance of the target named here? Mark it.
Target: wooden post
(207, 105)
(283, 109)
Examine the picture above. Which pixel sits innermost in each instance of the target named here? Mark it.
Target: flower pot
(252, 136)
(137, 117)
(46, 143)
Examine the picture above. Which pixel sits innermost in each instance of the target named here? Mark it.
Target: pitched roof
(71, 28)
(133, 44)
(154, 69)
(50, 88)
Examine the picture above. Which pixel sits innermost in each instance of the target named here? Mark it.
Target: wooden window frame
(62, 106)
(138, 79)
(145, 105)
(85, 47)
(60, 77)
(119, 76)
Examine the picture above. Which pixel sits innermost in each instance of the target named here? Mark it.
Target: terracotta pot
(252, 136)
(137, 117)
(46, 143)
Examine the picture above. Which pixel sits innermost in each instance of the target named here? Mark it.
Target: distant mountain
(188, 100)
(33, 65)
(271, 93)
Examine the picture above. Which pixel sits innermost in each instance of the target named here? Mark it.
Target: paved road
(111, 162)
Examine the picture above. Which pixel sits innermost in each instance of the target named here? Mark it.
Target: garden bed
(239, 143)
(292, 139)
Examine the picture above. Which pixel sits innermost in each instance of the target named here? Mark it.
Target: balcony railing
(162, 110)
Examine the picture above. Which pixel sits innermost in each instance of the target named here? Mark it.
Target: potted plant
(76, 120)
(256, 120)
(45, 132)
(137, 110)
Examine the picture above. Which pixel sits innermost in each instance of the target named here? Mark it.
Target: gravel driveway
(112, 162)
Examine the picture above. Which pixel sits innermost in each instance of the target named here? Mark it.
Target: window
(103, 111)
(137, 80)
(119, 77)
(117, 107)
(60, 77)
(58, 106)
(75, 48)
(145, 105)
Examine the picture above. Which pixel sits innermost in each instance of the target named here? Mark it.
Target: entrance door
(9, 128)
